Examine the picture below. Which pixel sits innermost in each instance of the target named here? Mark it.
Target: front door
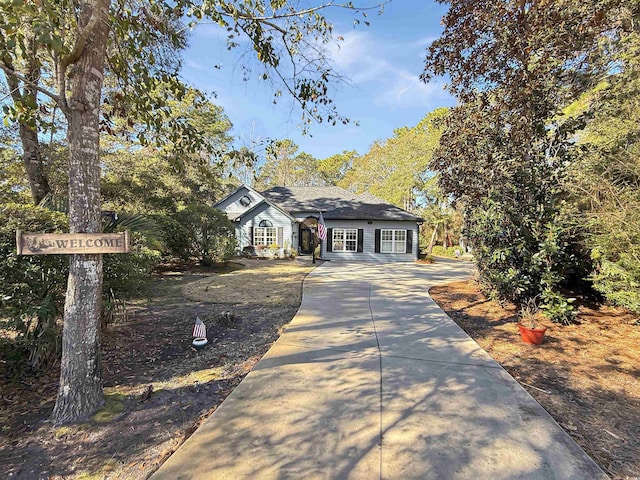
(306, 241)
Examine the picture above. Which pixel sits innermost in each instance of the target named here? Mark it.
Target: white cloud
(195, 65)
(387, 65)
(358, 58)
(423, 43)
(407, 90)
(210, 31)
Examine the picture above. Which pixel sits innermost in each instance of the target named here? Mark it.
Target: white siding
(368, 253)
(265, 212)
(232, 206)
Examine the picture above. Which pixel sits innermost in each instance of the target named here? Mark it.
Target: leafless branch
(26, 81)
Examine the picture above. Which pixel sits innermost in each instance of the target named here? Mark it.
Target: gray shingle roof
(336, 203)
(308, 199)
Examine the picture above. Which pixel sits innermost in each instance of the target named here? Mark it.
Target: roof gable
(230, 202)
(235, 209)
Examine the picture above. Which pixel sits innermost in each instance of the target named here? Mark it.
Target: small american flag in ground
(322, 229)
(199, 329)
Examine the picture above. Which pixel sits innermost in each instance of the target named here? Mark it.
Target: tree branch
(307, 11)
(298, 13)
(81, 42)
(26, 81)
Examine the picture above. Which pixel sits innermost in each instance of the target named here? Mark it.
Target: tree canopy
(396, 169)
(108, 64)
(504, 156)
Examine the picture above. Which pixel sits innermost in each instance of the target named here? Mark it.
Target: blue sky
(381, 62)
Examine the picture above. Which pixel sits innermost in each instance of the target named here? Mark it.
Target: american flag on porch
(322, 228)
(199, 329)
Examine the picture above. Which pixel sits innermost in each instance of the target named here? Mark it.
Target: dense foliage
(32, 289)
(202, 232)
(606, 179)
(505, 154)
(396, 169)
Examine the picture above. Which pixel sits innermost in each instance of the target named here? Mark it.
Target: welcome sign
(71, 243)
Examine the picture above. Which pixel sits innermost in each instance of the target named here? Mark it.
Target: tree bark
(433, 238)
(80, 391)
(33, 163)
(31, 152)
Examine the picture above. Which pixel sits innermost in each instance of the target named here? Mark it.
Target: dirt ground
(587, 376)
(158, 388)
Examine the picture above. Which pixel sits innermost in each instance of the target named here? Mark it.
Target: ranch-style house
(359, 227)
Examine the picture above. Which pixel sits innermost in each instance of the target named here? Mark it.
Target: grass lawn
(587, 376)
(158, 388)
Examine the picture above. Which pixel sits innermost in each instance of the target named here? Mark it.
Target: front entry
(308, 237)
(306, 241)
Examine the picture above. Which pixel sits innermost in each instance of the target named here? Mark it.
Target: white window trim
(394, 240)
(340, 234)
(261, 234)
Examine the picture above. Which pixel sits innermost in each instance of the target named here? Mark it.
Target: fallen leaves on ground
(161, 389)
(585, 375)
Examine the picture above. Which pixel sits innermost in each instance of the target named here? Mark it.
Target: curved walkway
(371, 380)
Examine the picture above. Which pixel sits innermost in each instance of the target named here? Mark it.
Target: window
(264, 236)
(345, 240)
(393, 241)
(245, 201)
(265, 223)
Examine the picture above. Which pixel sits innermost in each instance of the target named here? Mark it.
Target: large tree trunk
(433, 238)
(33, 163)
(80, 392)
(32, 154)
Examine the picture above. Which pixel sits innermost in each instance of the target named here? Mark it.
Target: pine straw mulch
(587, 375)
(158, 388)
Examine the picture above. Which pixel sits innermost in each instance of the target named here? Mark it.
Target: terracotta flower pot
(533, 336)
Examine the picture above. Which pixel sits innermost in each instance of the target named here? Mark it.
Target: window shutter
(409, 241)
(377, 249)
(250, 235)
(329, 239)
(279, 235)
(360, 240)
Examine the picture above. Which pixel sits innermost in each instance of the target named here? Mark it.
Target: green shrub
(451, 251)
(33, 286)
(557, 307)
(521, 257)
(617, 277)
(126, 276)
(176, 237)
(200, 231)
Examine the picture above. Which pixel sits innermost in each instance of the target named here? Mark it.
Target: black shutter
(360, 240)
(279, 236)
(377, 245)
(329, 239)
(409, 241)
(250, 235)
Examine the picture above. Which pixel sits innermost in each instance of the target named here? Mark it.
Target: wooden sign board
(70, 243)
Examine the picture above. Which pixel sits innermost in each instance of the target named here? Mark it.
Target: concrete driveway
(371, 380)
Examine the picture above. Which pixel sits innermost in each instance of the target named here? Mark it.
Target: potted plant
(274, 250)
(260, 250)
(531, 331)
